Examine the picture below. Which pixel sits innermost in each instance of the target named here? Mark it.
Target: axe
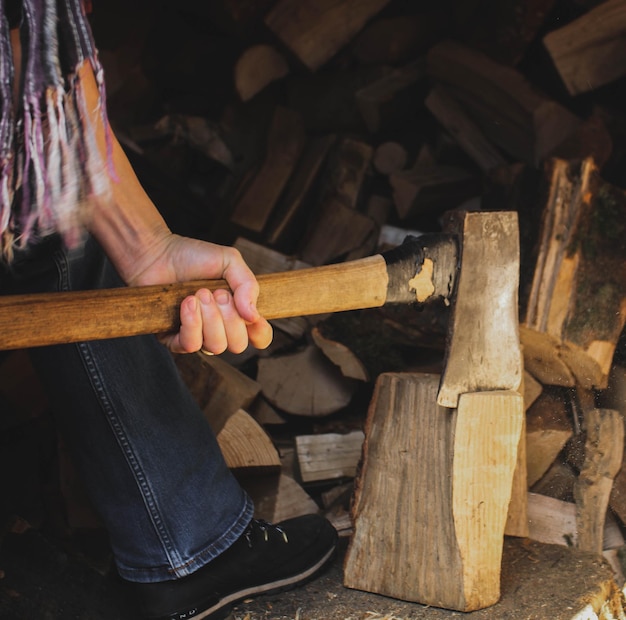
(475, 268)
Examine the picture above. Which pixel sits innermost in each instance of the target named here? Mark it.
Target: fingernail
(221, 297)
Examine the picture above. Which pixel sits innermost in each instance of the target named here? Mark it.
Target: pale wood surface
(340, 355)
(304, 383)
(328, 456)
(433, 535)
(589, 51)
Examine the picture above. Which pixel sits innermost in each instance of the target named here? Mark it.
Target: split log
(575, 308)
(390, 97)
(558, 482)
(261, 260)
(257, 67)
(395, 40)
(219, 389)
(246, 447)
(525, 123)
(315, 30)
(604, 450)
(532, 389)
(340, 355)
(425, 191)
(277, 498)
(289, 218)
(463, 129)
(548, 429)
(258, 197)
(304, 383)
(553, 522)
(589, 51)
(390, 157)
(328, 456)
(433, 535)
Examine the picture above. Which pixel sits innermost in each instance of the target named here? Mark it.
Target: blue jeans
(148, 457)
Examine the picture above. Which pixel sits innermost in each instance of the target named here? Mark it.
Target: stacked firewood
(308, 132)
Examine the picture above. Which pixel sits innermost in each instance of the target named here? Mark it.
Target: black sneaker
(266, 558)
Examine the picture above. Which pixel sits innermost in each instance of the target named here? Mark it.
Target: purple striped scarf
(50, 165)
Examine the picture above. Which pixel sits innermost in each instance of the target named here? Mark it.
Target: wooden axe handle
(53, 318)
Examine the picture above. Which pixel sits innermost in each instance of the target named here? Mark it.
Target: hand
(214, 321)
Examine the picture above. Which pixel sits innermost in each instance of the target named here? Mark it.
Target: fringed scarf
(50, 165)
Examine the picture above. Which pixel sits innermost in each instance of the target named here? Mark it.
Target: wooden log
(525, 123)
(328, 456)
(246, 447)
(589, 51)
(391, 96)
(258, 66)
(463, 129)
(278, 497)
(390, 157)
(259, 196)
(425, 191)
(558, 482)
(433, 535)
(219, 389)
(553, 522)
(340, 355)
(548, 429)
(574, 309)
(604, 450)
(315, 30)
(288, 221)
(304, 383)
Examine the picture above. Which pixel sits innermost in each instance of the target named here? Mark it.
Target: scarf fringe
(51, 168)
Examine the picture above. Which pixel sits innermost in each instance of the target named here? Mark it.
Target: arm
(144, 251)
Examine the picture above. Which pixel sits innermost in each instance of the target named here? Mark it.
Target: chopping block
(431, 499)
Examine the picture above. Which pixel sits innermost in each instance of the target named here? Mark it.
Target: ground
(41, 581)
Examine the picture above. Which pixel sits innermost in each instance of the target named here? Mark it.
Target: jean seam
(117, 427)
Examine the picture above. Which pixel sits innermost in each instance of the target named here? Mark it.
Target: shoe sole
(266, 588)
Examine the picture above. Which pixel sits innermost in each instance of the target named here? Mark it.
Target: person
(74, 216)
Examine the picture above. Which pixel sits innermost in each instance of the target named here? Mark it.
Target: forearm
(128, 226)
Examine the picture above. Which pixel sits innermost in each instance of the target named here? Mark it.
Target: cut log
(219, 389)
(532, 389)
(289, 219)
(328, 456)
(589, 51)
(390, 157)
(517, 515)
(277, 498)
(523, 122)
(340, 355)
(262, 259)
(337, 230)
(257, 67)
(575, 308)
(395, 40)
(425, 191)
(433, 535)
(304, 383)
(315, 30)
(604, 450)
(393, 95)
(558, 482)
(548, 429)
(553, 522)
(257, 199)
(463, 129)
(246, 447)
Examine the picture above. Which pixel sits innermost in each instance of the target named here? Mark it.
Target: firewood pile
(308, 132)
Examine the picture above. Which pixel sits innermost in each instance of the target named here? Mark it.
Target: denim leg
(149, 459)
